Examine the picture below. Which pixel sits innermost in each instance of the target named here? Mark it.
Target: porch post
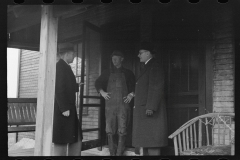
(46, 82)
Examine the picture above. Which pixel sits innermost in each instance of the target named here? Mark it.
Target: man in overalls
(116, 86)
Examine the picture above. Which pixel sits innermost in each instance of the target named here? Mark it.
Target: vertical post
(46, 82)
(18, 72)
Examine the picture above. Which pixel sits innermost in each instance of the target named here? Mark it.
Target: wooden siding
(93, 68)
(28, 79)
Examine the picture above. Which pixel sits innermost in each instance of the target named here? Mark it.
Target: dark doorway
(178, 32)
(123, 35)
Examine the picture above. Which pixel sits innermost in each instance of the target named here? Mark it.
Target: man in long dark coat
(67, 133)
(149, 113)
(116, 85)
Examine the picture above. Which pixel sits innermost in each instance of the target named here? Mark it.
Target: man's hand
(105, 95)
(149, 112)
(66, 113)
(128, 98)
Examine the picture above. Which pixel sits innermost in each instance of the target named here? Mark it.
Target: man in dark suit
(67, 133)
(149, 113)
(116, 86)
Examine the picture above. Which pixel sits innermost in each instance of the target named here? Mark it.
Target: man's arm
(131, 86)
(101, 84)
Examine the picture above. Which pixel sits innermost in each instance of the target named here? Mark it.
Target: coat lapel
(148, 65)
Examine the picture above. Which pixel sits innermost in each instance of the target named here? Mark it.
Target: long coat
(65, 129)
(150, 131)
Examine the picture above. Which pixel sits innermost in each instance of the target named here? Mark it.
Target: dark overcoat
(65, 129)
(150, 131)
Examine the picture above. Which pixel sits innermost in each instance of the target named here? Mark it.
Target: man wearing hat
(149, 113)
(116, 86)
(67, 133)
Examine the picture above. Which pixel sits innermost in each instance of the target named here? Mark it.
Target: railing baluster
(175, 145)
(31, 112)
(16, 113)
(224, 130)
(191, 137)
(12, 113)
(213, 130)
(207, 131)
(187, 137)
(22, 112)
(27, 113)
(195, 135)
(179, 142)
(184, 140)
(200, 133)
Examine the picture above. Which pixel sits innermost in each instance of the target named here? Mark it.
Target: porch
(25, 148)
(197, 51)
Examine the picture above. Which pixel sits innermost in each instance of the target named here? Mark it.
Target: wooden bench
(208, 134)
(21, 114)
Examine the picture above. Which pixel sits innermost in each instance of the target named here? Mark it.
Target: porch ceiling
(23, 23)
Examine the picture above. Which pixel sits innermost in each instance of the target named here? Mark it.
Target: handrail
(22, 100)
(92, 97)
(193, 120)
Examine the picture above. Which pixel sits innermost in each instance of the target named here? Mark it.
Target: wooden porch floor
(90, 152)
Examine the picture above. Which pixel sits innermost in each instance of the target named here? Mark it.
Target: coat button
(133, 106)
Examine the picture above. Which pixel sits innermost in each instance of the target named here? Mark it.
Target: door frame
(101, 124)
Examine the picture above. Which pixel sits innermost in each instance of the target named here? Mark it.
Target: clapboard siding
(91, 120)
(28, 79)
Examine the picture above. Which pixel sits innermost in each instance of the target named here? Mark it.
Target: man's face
(70, 56)
(117, 61)
(143, 55)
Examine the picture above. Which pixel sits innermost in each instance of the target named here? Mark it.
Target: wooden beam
(26, 16)
(46, 82)
(20, 45)
(66, 11)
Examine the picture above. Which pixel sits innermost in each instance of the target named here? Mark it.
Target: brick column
(223, 60)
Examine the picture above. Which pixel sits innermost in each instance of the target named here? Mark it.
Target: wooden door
(185, 83)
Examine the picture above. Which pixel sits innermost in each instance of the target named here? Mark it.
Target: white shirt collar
(147, 61)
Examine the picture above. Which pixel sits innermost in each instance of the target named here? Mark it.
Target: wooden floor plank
(30, 152)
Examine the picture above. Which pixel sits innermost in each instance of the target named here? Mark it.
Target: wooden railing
(21, 114)
(212, 129)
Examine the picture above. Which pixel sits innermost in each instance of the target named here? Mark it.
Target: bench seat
(21, 114)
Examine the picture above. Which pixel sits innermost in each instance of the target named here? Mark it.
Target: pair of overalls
(117, 112)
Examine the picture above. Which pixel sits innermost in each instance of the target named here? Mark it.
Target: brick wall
(223, 60)
(223, 65)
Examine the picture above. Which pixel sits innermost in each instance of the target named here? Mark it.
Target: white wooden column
(46, 82)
